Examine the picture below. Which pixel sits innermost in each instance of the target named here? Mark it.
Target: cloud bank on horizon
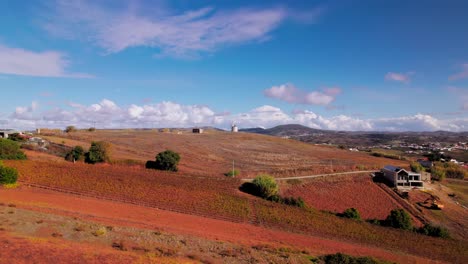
(107, 114)
(313, 63)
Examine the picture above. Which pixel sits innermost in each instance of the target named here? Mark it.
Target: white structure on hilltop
(234, 128)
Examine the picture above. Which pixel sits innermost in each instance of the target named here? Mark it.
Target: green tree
(8, 175)
(166, 160)
(265, 185)
(98, 152)
(76, 154)
(399, 218)
(10, 150)
(352, 213)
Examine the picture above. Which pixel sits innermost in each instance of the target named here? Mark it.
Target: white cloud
(289, 93)
(43, 64)
(174, 34)
(399, 77)
(463, 74)
(107, 114)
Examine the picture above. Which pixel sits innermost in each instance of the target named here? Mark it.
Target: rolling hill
(217, 150)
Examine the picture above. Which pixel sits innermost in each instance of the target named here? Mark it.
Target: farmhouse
(402, 178)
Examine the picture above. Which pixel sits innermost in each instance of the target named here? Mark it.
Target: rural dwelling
(402, 178)
(425, 163)
(197, 130)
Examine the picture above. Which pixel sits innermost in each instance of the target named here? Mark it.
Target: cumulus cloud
(399, 77)
(463, 74)
(43, 64)
(183, 34)
(107, 114)
(289, 93)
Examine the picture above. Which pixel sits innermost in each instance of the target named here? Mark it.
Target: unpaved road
(317, 175)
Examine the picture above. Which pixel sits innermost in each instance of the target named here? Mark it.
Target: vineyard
(218, 198)
(336, 194)
(193, 195)
(321, 224)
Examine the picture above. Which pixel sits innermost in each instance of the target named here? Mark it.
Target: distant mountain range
(359, 138)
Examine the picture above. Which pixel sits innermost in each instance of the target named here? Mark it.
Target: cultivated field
(337, 193)
(220, 199)
(252, 153)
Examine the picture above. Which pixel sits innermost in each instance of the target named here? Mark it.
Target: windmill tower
(234, 128)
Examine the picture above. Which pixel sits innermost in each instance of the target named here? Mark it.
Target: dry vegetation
(216, 150)
(200, 190)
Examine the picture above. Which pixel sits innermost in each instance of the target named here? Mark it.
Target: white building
(402, 178)
(234, 129)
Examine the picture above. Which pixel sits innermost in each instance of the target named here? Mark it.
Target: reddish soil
(338, 193)
(18, 250)
(130, 215)
(252, 153)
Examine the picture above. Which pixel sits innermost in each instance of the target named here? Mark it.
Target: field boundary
(315, 176)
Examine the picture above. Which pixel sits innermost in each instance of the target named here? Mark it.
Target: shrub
(98, 152)
(437, 173)
(455, 172)
(91, 129)
(351, 213)
(166, 160)
(435, 231)
(298, 202)
(8, 175)
(399, 218)
(232, 173)
(69, 129)
(416, 167)
(10, 150)
(266, 185)
(340, 258)
(17, 137)
(76, 154)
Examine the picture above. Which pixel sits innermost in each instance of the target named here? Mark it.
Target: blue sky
(347, 65)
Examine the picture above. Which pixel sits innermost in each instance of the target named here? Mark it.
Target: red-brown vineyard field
(220, 198)
(212, 153)
(216, 198)
(338, 193)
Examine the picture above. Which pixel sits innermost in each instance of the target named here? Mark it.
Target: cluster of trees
(97, 153)
(10, 150)
(399, 218)
(440, 171)
(166, 160)
(8, 175)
